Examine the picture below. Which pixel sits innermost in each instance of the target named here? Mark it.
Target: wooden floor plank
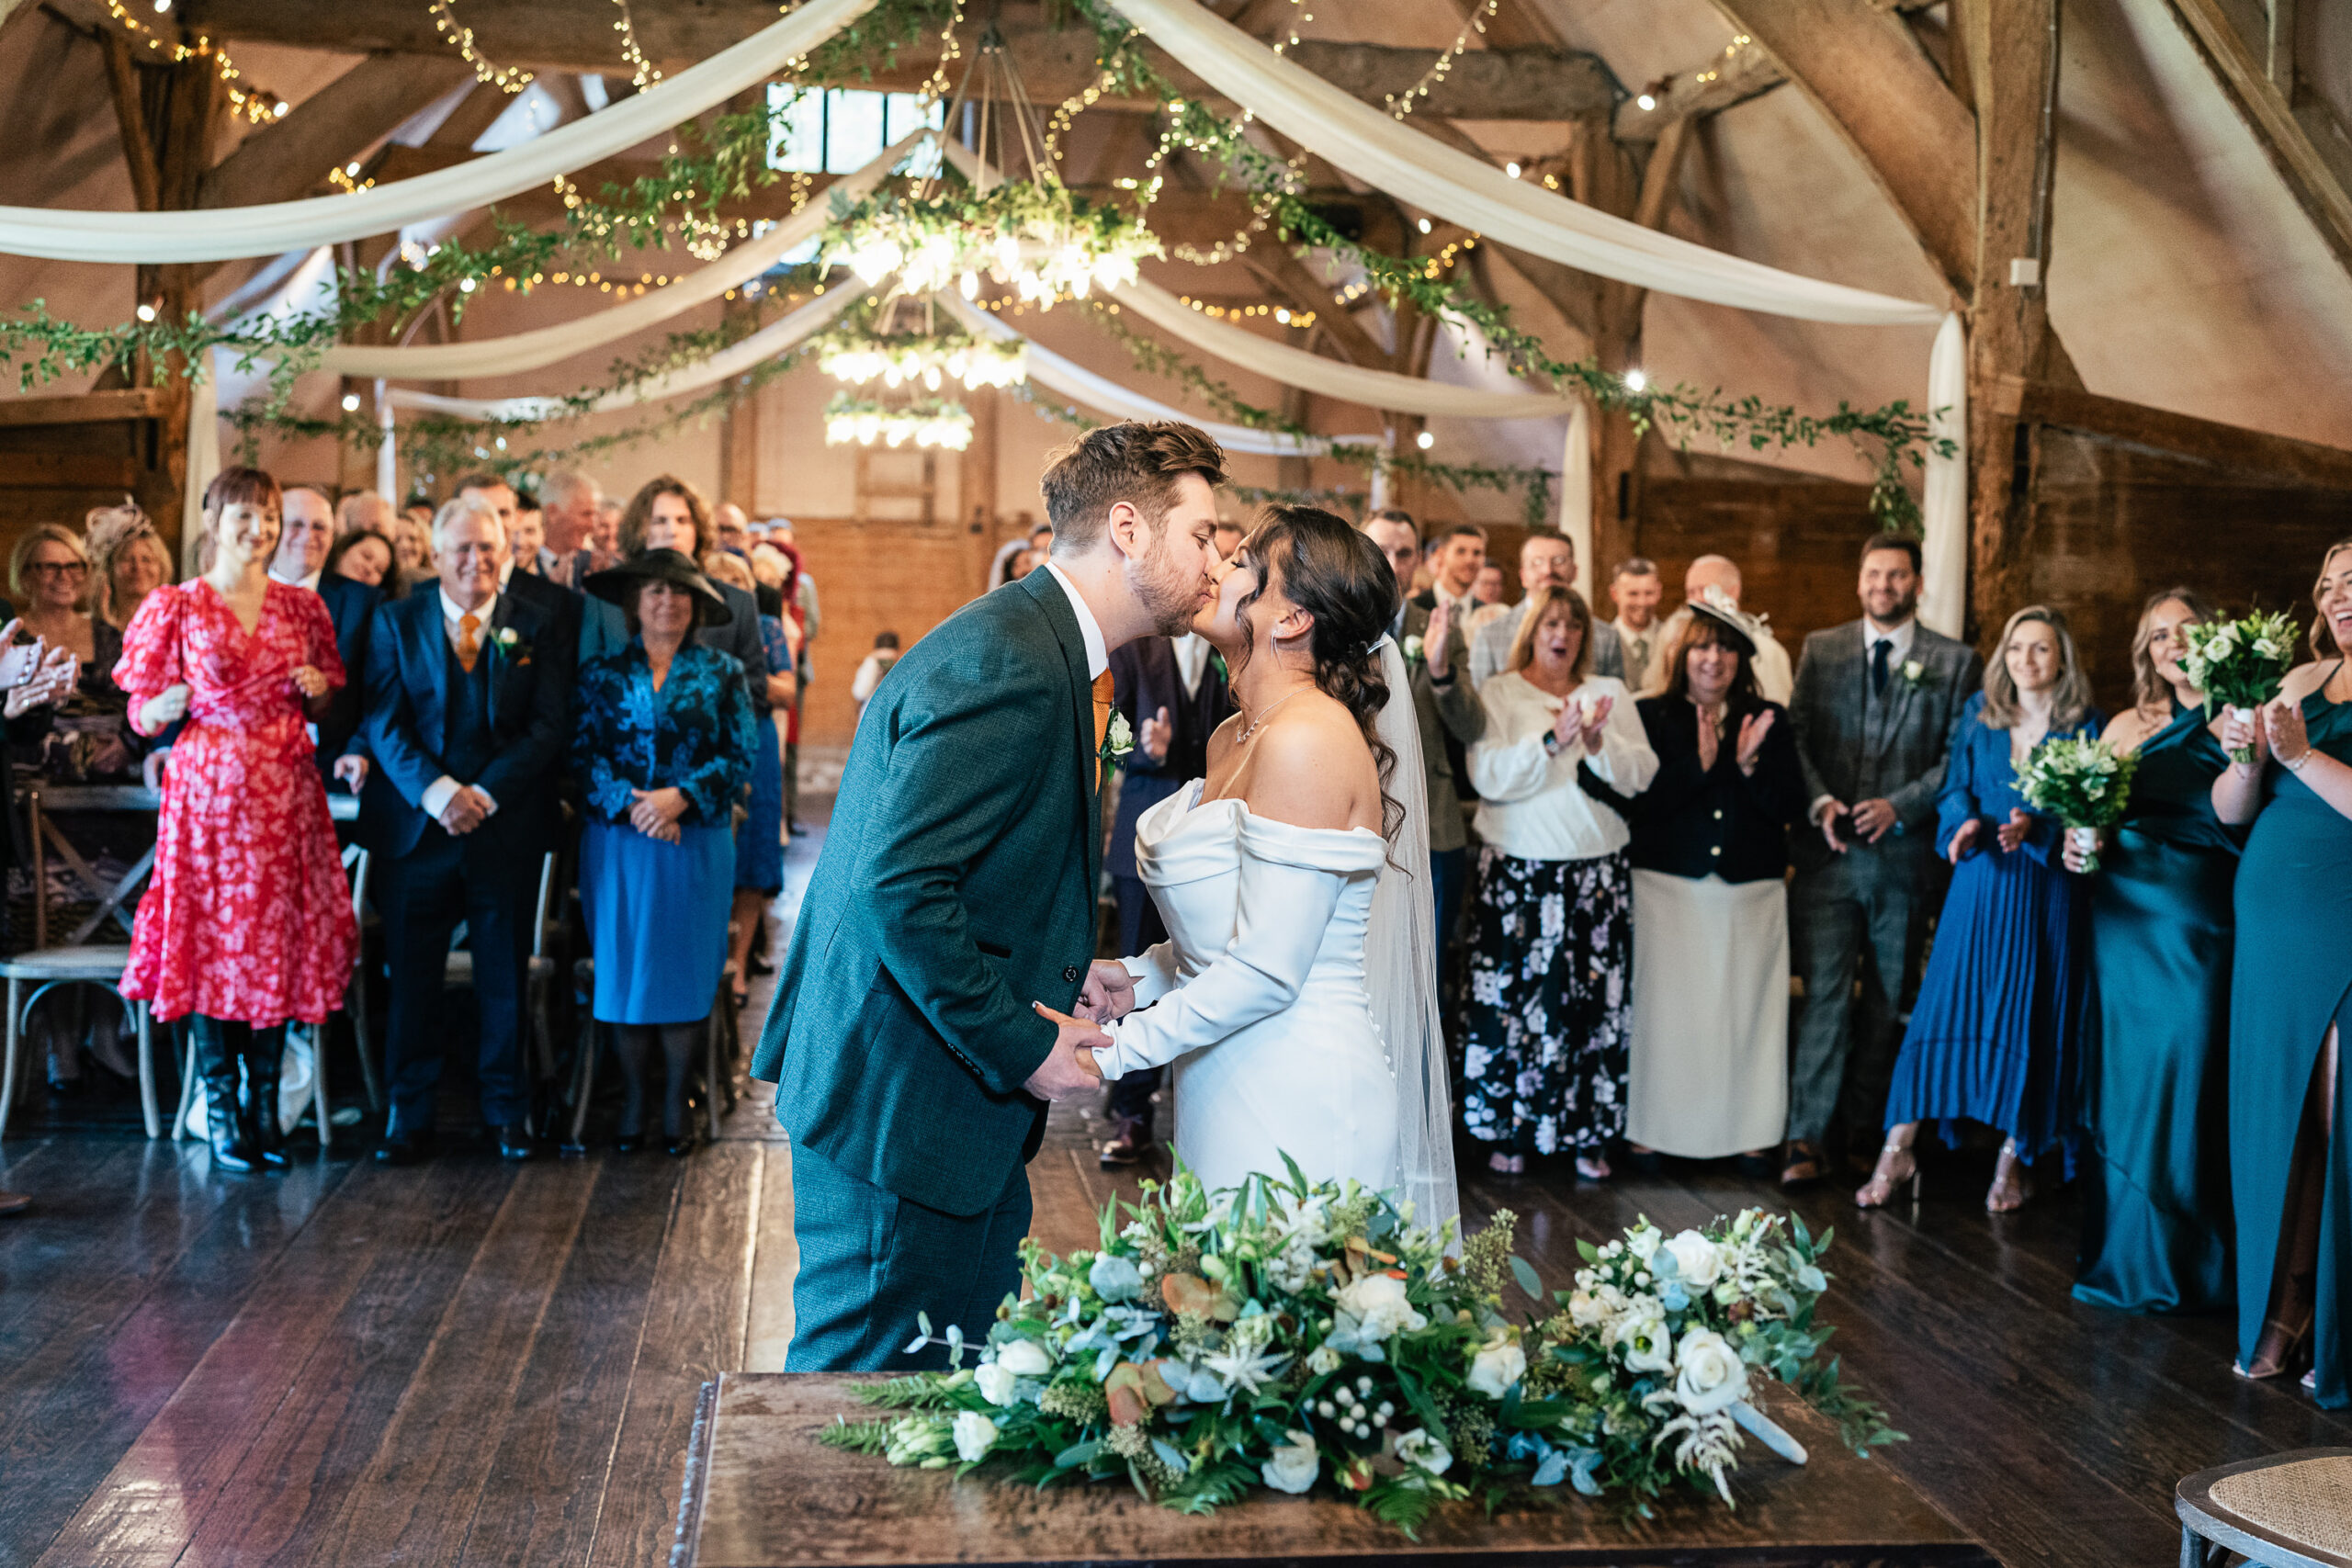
(694, 1328)
(775, 1264)
(295, 1482)
(548, 1475)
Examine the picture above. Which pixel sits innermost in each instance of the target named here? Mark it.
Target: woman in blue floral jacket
(663, 746)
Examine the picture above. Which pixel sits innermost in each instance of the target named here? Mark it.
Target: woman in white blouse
(1543, 1032)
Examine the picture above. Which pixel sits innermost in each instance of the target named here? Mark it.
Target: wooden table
(761, 1492)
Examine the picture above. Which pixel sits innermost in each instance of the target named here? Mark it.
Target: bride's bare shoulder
(1222, 738)
(1311, 767)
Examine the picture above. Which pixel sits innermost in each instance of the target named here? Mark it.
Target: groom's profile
(956, 894)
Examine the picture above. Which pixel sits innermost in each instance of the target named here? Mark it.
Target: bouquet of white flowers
(1292, 1334)
(2240, 664)
(2083, 783)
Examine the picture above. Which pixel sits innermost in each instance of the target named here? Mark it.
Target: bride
(1296, 993)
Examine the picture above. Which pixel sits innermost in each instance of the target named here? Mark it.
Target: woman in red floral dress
(247, 921)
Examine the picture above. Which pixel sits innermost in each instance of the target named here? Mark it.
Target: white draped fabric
(1359, 140)
(531, 350)
(1050, 370)
(203, 456)
(776, 337)
(1943, 600)
(223, 233)
(1576, 493)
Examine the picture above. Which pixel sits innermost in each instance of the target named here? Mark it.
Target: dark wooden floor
(478, 1363)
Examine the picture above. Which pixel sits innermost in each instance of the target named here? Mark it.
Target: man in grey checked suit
(1546, 555)
(1445, 705)
(1873, 714)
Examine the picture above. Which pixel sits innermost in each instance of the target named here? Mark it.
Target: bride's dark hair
(1337, 574)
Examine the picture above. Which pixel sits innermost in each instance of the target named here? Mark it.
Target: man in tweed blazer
(955, 901)
(1873, 714)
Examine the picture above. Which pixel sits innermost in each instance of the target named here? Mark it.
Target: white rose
(1913, 669)
(1292, 1466)
(1024, 1359)
(1323, 1362)
(1700, 1261)
(1377, 1302)
(1708, 1375)
(1642, 1241)
(1643, 1335)
(1412, 647)
(995, 1381)
(974, 1433)
(1495, 1367)
(1420, 1450)
(1591, 1309)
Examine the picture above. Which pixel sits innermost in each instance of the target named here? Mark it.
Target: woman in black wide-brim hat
(663, 746)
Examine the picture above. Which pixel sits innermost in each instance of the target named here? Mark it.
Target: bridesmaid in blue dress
(2156, 1023)
(1992, 1037)
(2291, 1161)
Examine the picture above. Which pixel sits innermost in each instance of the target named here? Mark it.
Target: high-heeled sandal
(2283, 1337)
(1593, 1167)
(2013, 1166)
(1885, 1178)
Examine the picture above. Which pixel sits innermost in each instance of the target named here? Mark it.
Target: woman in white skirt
(1710, 955)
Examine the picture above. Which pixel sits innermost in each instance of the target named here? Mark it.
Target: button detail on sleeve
(1071, 974)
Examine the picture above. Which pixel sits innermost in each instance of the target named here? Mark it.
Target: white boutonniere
(1914, 672)
(1413, 654)
(505, 642)
(1117, 741)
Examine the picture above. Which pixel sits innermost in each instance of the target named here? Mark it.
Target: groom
(956, 889)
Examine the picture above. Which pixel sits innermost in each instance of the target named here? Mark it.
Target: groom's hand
(1109, 991)
(1069, 1069)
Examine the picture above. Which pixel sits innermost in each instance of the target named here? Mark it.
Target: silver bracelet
(2297, 765)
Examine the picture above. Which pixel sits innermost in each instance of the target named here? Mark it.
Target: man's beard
(1170, 594)
(1902, 610)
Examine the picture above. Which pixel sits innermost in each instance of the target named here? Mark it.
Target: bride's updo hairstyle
(1334, 572)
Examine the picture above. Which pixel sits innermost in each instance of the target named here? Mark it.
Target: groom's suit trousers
(870, 1261)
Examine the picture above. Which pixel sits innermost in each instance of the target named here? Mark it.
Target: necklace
(1259, 722)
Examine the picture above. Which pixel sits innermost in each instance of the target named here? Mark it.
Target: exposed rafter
(333, 125)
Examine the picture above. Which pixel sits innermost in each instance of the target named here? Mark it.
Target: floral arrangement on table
(2240, 664)
(1291, 1335)
(1035, 237)
(926, 422)
(2086, 784)
(858, 354)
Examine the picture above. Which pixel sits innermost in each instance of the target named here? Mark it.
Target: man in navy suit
(469, 712)
(559, 599)
(304, 538)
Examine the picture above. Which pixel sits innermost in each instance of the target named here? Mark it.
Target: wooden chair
(2291, 1510)
(45, 969)
(718, 1051)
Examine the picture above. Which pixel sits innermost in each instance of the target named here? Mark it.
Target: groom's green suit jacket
(956, 885)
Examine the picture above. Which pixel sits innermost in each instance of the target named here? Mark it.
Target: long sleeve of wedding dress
(1289, 883)
(1155, 971)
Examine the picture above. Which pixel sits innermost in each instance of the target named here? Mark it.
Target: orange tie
(468, 645)
(1102, 693)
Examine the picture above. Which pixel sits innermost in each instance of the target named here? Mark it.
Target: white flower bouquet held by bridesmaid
(1295, 1334)
(2240, 664)
(2086, 784)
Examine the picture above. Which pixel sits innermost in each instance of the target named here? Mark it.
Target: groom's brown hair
(1133, 461)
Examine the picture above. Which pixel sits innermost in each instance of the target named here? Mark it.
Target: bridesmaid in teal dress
(2155, 1037)
(2290, 1163)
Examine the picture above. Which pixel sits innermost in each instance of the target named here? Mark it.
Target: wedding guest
(1227, 537)
(2156, 1026)
(1874, 704)
(664, 743)
(1721, 574)
(730, 529)
(2291, 990)
(468, 714)
(773, 572)
(1710, 1055)
(799, 598)
(1544, 1032)
(1041, 542)
(306, 538)
(759, 838)
(529, 547)
(70, 718)
(1023, 563)
(872, 668)
(1174, 696)
(247, 921)
(1545, 556)
(503, 500)
(1489, 591)
(1460, 552)
(364, 557)
(364, 512)
(605, 539)
(411, 549)
(128, 561)
(1635, 589)
(1994, 1036)
(567, 510)
(1445, 707)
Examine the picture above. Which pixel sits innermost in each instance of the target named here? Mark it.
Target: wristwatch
(1551, 743)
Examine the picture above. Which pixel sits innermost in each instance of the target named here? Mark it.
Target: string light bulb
(1637, 380)
(351, 403)
(1424, 441)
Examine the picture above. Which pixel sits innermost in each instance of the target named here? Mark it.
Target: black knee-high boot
(216, 1065)
(265, 1053)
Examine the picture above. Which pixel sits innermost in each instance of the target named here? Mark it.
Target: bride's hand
(1109, 991)
(1069, 1069)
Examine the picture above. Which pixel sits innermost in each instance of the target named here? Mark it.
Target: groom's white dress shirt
(1098, 654)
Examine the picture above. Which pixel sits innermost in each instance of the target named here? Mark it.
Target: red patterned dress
(248, 916)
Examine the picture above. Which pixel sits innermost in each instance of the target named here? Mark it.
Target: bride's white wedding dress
(1259, 996)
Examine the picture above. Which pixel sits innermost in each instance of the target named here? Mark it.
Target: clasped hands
(655, 812)
(34, 674)
(2274, 729)
(1873, 819)
(1070, 1068)
(1579, 723)
(2008, 835)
